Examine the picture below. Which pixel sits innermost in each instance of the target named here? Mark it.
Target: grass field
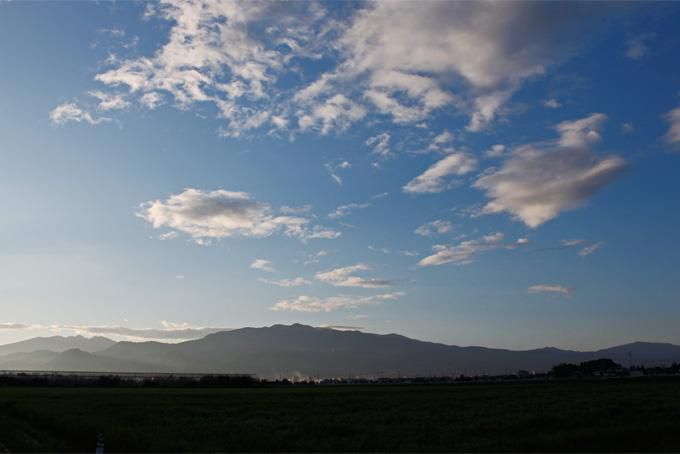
(617, 415)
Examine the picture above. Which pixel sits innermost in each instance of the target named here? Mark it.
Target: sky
(474, 173)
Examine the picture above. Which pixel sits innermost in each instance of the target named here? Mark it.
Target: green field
(616, 415)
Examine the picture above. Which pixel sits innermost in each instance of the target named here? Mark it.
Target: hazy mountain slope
(649, 353)
(69, 360)
(58, 344)
(285, 351)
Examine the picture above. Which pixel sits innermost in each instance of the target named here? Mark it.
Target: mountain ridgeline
(299, 350)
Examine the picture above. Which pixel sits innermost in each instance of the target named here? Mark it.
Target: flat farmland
(597, 415)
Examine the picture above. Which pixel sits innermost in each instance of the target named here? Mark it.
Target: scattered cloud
(434, 179)
(673, 134)
(380, 144)
(552, 103)
(233, 56)
(343, 277)
(586, 251)
(295, 282)
(345, 210)
(169, 330)
(110, 101)
(434, 228)
(205, 215)
(306, 303)
(627, 128)
(638, 46)
(13, 326)
(343, 327)
(586, 247)
(295, 210)
(490, 47)
(382, 250)
(573, 242)
(440, 140)
(70, 111)
(495, 151)
(464, 252)
(333, 169)
(335, 114)
(539, 181)
(263, 265)
(550, 288)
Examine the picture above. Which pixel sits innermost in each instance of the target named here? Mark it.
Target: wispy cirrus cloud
(305, 303)
(263, 265)
(70, 111)
(294, 282)
(344, 277)
(673, 134)
(13, 326)
(637, 47)
(433, 228)
(169, 331)
(550, 288)
(437, 177)
(463, 252)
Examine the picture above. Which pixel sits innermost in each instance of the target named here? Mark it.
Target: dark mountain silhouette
(302, 350)
(57, 344)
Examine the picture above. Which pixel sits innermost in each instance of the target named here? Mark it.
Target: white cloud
(343, 277)
(13, 326)
(550, 288)
(495, 151)
(552, 103)
(586, 251)
(263, 265)
(434, 179)
(539, 181)
(333, 170)
(380, 144)
(342, 327)
(437, 227)
(295, 282)
(638, 46)
(463, 252)
(110, 101)
(306, 303)
(345, 210)
(205, 215)
(69, 111)
(295, 210)
(673, 118)
(486, 109)
(226, 53)
(439, 141)
(491, 46)
(573, 242)
(335, 114)
(382, 250)
(627, 128)
(401, 59)
(169, 330)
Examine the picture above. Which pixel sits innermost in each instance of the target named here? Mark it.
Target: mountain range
(299, 350)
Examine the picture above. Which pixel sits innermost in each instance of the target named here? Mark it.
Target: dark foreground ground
(615, 415)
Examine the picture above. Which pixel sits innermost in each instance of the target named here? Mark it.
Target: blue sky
(499, 174)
